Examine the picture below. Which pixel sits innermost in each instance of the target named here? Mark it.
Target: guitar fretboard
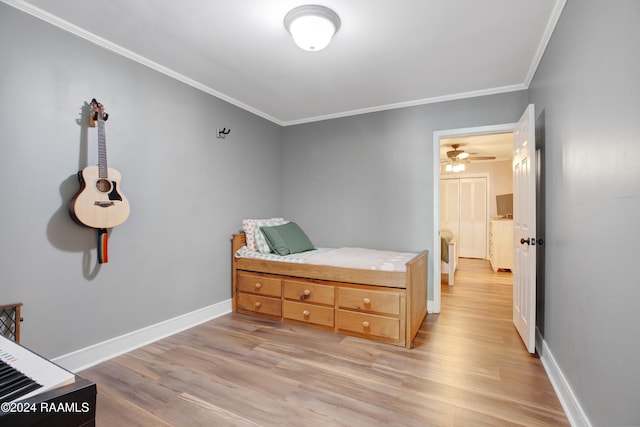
(102, 150)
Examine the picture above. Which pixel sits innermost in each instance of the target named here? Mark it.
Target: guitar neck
(102, 150)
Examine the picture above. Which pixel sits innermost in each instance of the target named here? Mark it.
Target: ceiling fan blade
(481, 158)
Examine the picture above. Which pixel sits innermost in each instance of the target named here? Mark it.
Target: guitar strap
(103, 245)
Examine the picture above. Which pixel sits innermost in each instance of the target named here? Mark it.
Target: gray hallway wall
(587, 95)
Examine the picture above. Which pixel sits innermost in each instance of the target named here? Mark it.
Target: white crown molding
(546, 37)
(434, 100)
(102, 42)
(80, 32)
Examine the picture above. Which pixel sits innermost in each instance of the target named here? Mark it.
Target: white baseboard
(572, 408)
(431, 304)
(100, 352)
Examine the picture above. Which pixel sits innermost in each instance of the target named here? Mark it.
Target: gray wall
(367, 180)
(587, 95)
(188, 190)
(363, 180)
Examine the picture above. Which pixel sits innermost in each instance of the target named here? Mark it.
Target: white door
(524, 229)
(473, 218)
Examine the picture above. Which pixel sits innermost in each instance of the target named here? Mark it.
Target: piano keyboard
(24, 374)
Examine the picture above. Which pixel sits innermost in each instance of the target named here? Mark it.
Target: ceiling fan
(456, 154)
(458, 158)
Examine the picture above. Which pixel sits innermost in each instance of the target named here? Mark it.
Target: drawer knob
(258, 304)
(305, 313)
(366, 300)
(258, 285)
(305, 295)
(365, 324)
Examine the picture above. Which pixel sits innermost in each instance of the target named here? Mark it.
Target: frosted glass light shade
(454, 167)
(312, 26)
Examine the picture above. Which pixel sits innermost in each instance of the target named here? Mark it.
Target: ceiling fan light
(312, 26)
(455, 167)
(463, 155)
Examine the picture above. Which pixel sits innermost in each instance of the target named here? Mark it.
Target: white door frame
(434, 307)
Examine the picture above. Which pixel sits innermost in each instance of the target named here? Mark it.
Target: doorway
(438, 137)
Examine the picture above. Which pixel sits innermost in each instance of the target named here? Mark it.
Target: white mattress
(361, 258)
(299, 258)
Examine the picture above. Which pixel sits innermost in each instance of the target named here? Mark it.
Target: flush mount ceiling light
(312, 26)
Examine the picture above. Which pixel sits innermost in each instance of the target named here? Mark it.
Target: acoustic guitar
(99, 203)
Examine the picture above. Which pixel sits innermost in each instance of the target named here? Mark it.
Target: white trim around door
(437, 135)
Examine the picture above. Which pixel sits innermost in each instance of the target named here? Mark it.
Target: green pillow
(287, 239)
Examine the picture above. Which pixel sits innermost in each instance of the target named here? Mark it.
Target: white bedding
(299, 258)
(366, 259)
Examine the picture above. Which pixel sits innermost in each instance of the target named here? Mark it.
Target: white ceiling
(387, 54)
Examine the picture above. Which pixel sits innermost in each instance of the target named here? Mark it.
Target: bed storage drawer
(309, 292)
(260, 285)
(259, 304)
(369, 301)
(308, 313)
(369, 324)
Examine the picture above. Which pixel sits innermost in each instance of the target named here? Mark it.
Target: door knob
(532, 241)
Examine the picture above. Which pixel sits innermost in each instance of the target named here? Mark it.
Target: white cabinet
(501, 244)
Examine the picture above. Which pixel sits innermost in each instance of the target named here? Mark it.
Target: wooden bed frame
(450, 268)
(384, 306)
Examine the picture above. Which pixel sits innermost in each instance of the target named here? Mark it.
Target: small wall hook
(223, 132)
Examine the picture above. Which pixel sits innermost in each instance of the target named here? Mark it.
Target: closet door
(473, 218)
(450, 206)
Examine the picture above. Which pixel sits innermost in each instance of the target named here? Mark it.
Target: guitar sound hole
(103, 185)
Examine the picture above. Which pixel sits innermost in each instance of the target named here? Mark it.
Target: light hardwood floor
(468, 368)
